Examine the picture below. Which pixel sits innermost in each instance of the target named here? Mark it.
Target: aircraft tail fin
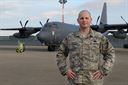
(103, 19)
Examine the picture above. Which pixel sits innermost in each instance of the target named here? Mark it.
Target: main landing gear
(125, 46)
(51, 48)
(21, 47)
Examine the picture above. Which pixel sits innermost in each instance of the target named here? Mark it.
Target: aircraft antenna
(62, 2)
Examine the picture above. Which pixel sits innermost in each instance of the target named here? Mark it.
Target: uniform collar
(90, 34)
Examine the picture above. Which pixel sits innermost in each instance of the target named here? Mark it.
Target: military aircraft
(52, 33)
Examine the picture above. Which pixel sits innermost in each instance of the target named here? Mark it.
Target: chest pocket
(95, 46)
(74, 45)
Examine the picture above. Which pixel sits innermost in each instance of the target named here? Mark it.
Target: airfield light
(62, 2)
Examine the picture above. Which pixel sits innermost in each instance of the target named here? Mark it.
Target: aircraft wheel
(21, 47)
(51, 48)
(19, 50)
(125, 45)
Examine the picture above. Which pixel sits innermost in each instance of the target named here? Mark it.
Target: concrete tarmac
(37, 66)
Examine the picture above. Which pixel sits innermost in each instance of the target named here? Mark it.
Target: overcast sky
(12, 11)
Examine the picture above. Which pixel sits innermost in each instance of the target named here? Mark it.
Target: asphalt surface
(37, 66)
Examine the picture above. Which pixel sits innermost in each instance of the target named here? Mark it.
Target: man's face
(84, 20)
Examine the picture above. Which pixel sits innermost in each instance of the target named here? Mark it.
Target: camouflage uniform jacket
(88, 53)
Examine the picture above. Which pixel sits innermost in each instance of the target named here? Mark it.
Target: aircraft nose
(42, 36)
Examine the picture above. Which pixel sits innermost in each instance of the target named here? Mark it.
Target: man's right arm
(61, 57)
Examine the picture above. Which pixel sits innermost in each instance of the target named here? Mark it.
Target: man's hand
(98, 75)
(70, 74)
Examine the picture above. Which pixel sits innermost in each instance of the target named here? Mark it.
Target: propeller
(24, 24)
(45, 23)
(22, 31)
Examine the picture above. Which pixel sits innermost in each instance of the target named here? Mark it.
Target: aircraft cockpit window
(46, 27)
(54, 25)
(51, 26)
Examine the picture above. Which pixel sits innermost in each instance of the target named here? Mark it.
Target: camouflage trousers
(85, 79)
(71, 82)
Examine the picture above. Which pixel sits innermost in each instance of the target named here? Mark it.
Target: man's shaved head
(84, 11)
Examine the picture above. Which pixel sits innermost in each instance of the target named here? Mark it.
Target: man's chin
(85, 27)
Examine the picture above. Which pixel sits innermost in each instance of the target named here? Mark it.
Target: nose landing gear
(21, 47)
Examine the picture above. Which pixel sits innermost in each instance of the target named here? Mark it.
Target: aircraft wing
(115, 26)
(105, 27)
(24, 32)
(10, 28)
(24, 28)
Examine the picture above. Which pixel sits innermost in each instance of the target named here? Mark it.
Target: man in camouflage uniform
(91, 55)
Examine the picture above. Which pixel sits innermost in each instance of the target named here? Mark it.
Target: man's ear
(91, 19)
(77, 20)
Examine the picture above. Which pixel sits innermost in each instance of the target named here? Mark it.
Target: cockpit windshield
(49, 26)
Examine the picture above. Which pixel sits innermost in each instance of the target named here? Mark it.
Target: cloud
(97, 4)
(51, 14)
(115, 2)
(9, 5)
(8, 9)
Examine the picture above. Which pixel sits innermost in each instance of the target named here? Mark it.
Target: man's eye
(82, 18)
(86, 18)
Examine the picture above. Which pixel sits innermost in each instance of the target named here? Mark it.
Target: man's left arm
(108, 56)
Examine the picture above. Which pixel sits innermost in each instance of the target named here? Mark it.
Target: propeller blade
(97, 19)
(21, 24)
(26, 23)
(41, 23)
(124, 20)
(47, 20)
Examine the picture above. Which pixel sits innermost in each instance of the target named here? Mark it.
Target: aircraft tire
(24, 47)
(19, 50)
(125, 46)
(51, 48)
